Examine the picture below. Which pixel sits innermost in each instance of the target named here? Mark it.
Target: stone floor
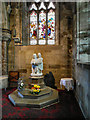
(67, 108)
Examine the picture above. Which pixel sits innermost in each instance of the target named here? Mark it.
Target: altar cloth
(67, 83)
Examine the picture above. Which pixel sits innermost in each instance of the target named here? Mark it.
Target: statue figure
(37, 65)
(33, 62)
(40, 63)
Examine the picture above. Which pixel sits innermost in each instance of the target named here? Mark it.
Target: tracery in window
(51, 27)
(42, 6)
(51, 5)
(42, 27)
(33, 7)
(33, 28)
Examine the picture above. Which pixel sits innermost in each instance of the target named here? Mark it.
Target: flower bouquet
(35, 89)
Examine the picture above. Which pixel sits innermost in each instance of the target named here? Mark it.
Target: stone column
(0, 40)
(0, 58)
(11, 56)
(57, 24)
(6, 35)
(24, 24)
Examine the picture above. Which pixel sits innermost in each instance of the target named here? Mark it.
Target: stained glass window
(51, 27)
(42, 32)
(42, 27)
(33, 28)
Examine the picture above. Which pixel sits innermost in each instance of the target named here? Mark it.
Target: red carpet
(67, 108)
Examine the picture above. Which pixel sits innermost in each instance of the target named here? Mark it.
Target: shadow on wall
(50, 80)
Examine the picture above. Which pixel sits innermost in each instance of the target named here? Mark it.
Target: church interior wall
(57, 58)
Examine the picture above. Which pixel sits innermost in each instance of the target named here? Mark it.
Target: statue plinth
(36, 75)
(29, 97)
(37, 80)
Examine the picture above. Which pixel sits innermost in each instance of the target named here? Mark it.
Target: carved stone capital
(6, 34)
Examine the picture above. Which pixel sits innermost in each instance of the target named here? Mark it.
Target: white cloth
(3, 81)
(67, 82)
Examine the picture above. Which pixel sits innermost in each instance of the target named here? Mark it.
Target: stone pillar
(24, 24)
(4, 57)
(0, 58)
(0, 40)
(57, 23)
(6, 35)
(11, 56)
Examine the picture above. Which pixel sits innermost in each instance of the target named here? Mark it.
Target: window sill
(83, 63)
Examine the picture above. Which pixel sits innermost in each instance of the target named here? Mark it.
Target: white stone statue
(40, 64)
(37, 65)
(33, 62)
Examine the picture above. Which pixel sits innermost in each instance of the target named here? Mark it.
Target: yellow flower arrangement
(35, 85)
(35, 89)
(38, 90)
(38, 86)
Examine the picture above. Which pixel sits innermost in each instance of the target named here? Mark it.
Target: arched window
(42, 24)
(51, 27)
(33, 28)
(42, 27)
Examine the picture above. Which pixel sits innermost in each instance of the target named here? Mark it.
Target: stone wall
(54, 60)
(0, 43)
(81, 71)
(16, 21)
(5, 20)
(57, 58)
(82, 89)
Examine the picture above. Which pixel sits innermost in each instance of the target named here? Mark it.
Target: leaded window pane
(42, 27)
(51, 27)
(33, 28)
